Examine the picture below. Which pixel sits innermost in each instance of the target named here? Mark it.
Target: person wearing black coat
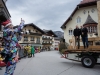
(77, 33)
(84, 35)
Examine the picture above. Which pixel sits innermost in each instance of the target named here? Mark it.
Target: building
(4, 14)
(85, 14)
(56, 43)
(32, 35)
(48, 39)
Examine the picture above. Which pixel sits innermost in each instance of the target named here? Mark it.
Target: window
(92, 10)
(51, 42)
(38, 40)
(25, 38)
(78, 19)
(32, 38)
(84, 12)
(96, 30)
(70, 31)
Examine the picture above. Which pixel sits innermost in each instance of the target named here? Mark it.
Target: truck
(88, 57)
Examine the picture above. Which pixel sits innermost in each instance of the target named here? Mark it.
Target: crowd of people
(29, 50)
(83, 32)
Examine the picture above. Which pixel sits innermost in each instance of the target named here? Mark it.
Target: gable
(79, 13)
(32, 29)
(78, 7)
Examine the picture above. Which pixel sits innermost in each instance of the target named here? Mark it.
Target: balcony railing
(46, 43)
(31, 33)
(45, 38)
(26, 41)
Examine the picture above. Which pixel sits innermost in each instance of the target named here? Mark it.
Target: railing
(46, 43)
(31, 33)
(45, 38)
(26, 41)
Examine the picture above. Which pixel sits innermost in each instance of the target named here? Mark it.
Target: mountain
(59, 34)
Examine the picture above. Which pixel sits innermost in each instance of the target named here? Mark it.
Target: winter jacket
(77, 32)
(85, 32)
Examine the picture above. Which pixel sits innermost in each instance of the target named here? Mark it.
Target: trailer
(88, 57)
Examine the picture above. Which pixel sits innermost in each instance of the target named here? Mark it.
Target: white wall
(72, 23)
(56, 44)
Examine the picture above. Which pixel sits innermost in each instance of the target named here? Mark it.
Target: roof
(48, 32)
(81, 5)
(6, 8)
(86, 1)
(89, 21)
(31, 24)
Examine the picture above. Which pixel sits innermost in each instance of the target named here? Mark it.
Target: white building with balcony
(85, 14)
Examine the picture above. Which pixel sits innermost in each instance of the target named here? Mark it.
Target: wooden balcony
(46, 38)
(35, 34)
(46, 43)
(26, 41)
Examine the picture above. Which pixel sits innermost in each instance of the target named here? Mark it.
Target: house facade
(32, 35)
(48, 40)
(56, 43)
(85, 14)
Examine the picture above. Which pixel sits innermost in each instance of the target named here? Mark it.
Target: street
(51, 63)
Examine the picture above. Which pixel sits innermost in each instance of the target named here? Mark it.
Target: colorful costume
(10, 44)
(29, 51)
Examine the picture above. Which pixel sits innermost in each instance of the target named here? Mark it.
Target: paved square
(51, 63)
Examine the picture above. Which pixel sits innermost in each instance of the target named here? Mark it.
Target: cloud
(46, 14)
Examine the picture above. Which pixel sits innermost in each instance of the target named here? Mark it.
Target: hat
(6, 23)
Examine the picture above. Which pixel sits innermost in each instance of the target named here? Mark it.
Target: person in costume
(29, 50)
(10, 40)
(32, 51)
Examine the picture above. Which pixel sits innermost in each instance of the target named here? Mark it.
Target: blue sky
(46, 14)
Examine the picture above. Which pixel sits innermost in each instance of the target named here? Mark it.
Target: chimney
(98, 8)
